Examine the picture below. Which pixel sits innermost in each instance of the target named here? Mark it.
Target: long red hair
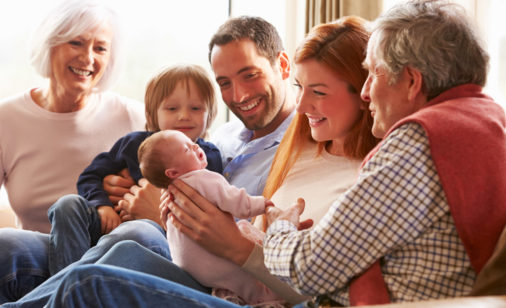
(341, 46)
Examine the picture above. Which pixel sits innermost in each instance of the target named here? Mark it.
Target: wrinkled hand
(292, 214)
(109, 219)
(205, 223)
(140, 202)
(268, 203)
(117, 185)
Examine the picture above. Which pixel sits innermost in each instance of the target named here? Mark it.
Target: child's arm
(117, 185)
(227, 197)
(122, 155)
(213, 155)
(237, 202)
(109, 219)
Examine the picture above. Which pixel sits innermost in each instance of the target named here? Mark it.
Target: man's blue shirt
(247, 162)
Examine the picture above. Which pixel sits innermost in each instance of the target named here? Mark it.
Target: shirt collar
(275, 137)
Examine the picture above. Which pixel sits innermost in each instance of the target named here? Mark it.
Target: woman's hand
(117, 185)
(205, 223)
(292, 214)
(141, 201)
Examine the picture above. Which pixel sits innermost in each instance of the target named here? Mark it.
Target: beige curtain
(322, 11)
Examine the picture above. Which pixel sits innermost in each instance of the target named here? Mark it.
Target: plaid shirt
(397, 211)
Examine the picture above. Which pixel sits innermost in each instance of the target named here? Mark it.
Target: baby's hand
(109, 219)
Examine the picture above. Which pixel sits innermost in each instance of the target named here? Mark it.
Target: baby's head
(181, 97)
(168, 154)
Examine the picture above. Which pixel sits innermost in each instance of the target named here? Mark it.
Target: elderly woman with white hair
(48, 135)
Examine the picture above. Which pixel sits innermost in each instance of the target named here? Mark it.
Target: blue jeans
(23, 262)
(143, 279)
(130, 255)
(147, 233)
(101, 285)
(75, 227)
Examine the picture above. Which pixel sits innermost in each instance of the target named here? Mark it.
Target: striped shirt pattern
(396, 211)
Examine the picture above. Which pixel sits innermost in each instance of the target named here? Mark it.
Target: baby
(169, 154)
(179, 97)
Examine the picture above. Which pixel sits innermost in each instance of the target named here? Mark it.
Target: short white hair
(69, 20)
(435, 37)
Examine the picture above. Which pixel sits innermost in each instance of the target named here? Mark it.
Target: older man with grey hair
(429, 203)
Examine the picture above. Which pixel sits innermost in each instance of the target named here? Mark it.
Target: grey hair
(69, 20)
(436, 38)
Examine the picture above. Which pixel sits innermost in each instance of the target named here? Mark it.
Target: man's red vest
(466, 132)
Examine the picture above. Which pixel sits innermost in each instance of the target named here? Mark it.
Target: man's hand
(164, 206)
(292, 214)
(109, 219)
(205, 223)
(117, 185)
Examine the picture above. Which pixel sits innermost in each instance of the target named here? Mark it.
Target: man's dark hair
(256, 29)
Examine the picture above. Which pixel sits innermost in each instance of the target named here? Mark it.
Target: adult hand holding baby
(141, 202)
(292, 214)
(132, 201)
(205, 223)
(165, 198)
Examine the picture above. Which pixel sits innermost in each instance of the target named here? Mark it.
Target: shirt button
(227, 174)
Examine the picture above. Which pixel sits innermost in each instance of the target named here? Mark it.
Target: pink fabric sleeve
(227, 197)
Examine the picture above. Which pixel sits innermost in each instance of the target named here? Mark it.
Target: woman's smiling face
(330, 104)
(79, 64)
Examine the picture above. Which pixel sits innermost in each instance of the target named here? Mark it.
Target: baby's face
(188, 156)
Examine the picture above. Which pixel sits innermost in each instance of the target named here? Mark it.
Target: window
(159, 33)
(491, 22)
(488, 16)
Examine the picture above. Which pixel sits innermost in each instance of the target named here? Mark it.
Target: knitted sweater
(466, 132)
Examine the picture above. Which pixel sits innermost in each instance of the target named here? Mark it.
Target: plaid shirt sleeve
(391, 213)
